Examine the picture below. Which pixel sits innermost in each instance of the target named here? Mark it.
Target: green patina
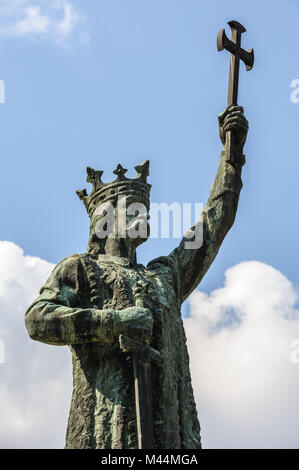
(88, 302)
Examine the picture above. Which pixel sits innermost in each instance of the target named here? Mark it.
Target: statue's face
(126, 218)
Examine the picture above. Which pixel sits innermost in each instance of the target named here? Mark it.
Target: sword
(142, 355)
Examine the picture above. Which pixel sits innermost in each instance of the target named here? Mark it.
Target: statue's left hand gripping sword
(237, 53)
(142, 355)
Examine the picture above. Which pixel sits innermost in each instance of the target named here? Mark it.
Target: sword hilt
(127, 344)
(140, 291)
(144, 350)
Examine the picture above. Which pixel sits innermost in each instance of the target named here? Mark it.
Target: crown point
(120, 172)
(92, 174)
(94, 177)
(143, 170)
(81, 193)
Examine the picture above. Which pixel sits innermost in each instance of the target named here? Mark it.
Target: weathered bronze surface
(89, 303)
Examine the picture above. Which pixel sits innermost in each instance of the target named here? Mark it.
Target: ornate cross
(237, 54)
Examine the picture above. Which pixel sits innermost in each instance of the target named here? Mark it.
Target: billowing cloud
(35, 379)
(58, 20)
(239, 340)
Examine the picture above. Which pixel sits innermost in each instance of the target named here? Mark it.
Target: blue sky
(149, 84)
(129, 80)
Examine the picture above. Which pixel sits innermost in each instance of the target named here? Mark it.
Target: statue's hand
(233, 119)
(135, 322)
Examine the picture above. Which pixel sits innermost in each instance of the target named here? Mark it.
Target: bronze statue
(114, 313)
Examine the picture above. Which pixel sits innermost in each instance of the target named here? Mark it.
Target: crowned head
(133, 190)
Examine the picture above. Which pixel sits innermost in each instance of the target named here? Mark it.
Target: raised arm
(219, 213)
(58, 316)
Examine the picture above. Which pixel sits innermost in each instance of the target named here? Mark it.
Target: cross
(237, 54)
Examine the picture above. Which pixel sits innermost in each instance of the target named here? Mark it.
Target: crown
(138, 188)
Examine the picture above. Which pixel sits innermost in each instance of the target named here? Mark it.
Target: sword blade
(143, 356)
(143, 400)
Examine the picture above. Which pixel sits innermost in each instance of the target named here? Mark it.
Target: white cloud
(32, 23)
(58, 20)
(35, 379)
(69, 22)
(239, 341)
